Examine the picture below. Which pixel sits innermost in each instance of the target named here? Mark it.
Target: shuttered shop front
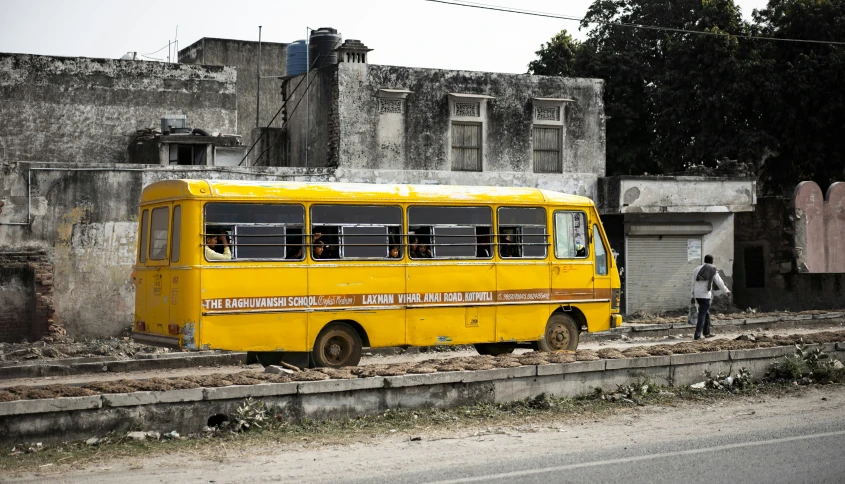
(658, 273)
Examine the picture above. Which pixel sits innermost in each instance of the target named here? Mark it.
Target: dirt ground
(93, 384)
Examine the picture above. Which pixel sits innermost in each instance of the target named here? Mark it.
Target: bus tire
(494, 349)
(561, 334)
(337, 345)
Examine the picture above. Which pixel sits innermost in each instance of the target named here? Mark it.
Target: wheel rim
(558, 336)
(337, 348)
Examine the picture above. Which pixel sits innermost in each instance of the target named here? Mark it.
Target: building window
(466, 147)
(547, 141)
(755, 269)
(547, 113)
(391, 106)
(472, 110)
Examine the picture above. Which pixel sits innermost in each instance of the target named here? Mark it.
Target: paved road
(765, 440)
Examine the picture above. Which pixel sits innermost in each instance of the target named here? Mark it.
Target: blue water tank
(297, 58)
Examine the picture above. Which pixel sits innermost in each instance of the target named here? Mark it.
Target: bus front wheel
(337, 345)
(561, 334)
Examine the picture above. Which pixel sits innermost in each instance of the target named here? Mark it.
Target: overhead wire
(499, 8)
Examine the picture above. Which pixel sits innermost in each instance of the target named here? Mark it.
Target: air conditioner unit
(174, 124)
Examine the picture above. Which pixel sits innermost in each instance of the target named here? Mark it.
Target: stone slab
(798, 317)
(47, 405)
(438, 378)
(840, 346)
(501, 374)
(770, 319)
(150, 398)
(330, 386)
(650, 327)
(581, 366)
(829, 316)
(693, 358)
(758, 353)
(255, 391)
(726, 322)
(645, 362)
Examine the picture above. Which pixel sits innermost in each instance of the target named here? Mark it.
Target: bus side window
(522, 232)
(570, 236)
(142, 244)
(257, 231)
(449, 232)
(355, 231)
(601, 252)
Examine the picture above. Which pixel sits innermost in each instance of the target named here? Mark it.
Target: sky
(414, 33)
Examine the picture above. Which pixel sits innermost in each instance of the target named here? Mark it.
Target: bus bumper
(156, 339)
(615, 320)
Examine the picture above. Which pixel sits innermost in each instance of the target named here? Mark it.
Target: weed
(807, 365)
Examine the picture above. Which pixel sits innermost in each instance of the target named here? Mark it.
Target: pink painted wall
(819, 223)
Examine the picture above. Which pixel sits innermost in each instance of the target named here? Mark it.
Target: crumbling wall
(243, 55)
(767, 237)
(81, 110)
(26, 296)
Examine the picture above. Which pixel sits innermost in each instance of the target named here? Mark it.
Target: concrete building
(80, 110)
(662, 227)
(383, 124)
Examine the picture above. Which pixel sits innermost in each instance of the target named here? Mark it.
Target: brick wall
(28, 310)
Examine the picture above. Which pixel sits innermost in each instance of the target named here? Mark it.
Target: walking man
(703, 278)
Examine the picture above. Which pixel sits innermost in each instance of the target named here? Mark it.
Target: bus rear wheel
(561, 334)
(494, 349)
(337, 345)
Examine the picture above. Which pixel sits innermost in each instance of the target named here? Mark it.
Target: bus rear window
(159, 233)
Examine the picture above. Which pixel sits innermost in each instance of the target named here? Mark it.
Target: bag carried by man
(692, 317)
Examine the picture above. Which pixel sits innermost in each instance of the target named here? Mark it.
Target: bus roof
(347, 192)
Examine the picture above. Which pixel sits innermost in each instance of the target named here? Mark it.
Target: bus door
(157, 273)
(572, 265)
(602, 281)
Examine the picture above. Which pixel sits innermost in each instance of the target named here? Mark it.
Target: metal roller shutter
(658, 274)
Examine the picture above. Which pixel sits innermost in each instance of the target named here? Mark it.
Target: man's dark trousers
(703, 317)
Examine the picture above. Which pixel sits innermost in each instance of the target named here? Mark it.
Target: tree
(677, 99)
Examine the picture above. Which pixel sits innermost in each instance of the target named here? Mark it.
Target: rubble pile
(66, 347)
(462, 363)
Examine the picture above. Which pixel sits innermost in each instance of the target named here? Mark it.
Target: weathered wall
(426, 122)
(660, 194)
(770, 231)
(84, 217)
(243, 55)
(311, 114)
(81, 110)
(26, 295)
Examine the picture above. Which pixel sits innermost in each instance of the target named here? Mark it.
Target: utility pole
(258, 82)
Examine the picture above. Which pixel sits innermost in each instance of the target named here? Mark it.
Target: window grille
(391, 106)
(467, 109)
(547, 113)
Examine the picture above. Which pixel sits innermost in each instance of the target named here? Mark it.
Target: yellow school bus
(314, 272)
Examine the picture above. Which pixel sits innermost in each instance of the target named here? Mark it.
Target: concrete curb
(76, 366)
(187, 411)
